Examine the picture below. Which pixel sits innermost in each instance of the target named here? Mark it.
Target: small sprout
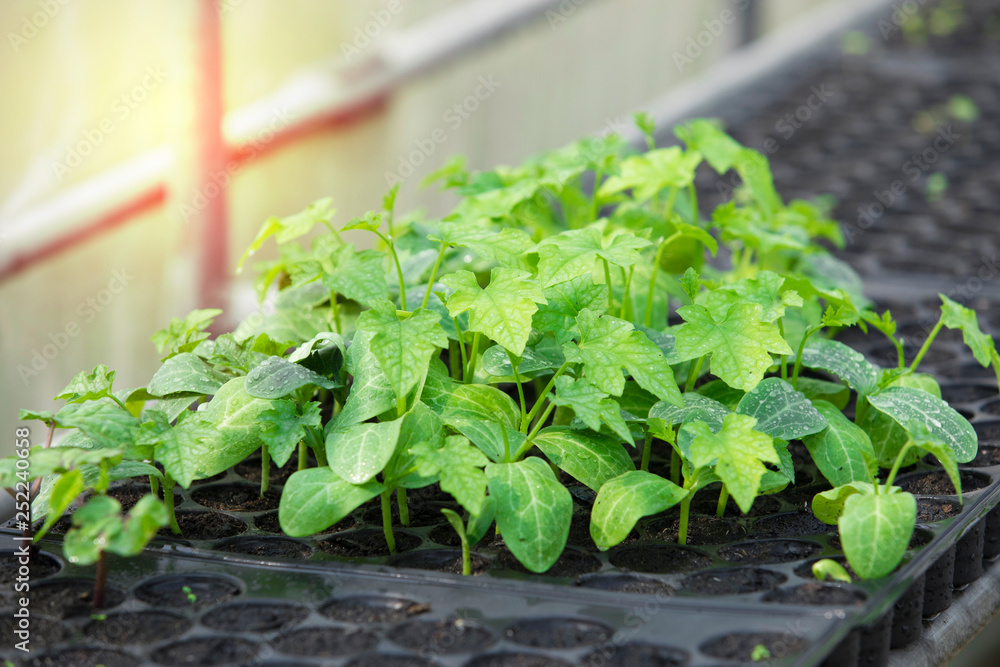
(937, 185)
(829, 569)
(98, 617)
(857, 43)
(760, 653)
(192, 598)
(962, 108)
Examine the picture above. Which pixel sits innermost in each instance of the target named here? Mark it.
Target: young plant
(470, 534)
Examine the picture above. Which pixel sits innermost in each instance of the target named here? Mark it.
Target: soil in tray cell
(509, 659)
(817, 593)
(136, 627)
(444, 637)
(389, 660)
(325, 642)
(420, 515)
(45, 632)
(446, 536)
(709, 505)
(84, 657)
(254, 616)
(42, 565)
(249, 469)
(266, 547)
(791, 524)
(732, 581)
(64, 598)
(937, 483)
(372, 609)
(930, 510)
(268, 522)
(625, 583)
(659, 558)
(988, 432)
(188, 591)
(635, 653)
(207, 652)
(739, 646)
(439, 560)
(769, 552)
(204, 525)
(130, 493)
(571, 563)
(236, 498)
(701, 530)
(557, 633)
(367, 543)
(987, 456)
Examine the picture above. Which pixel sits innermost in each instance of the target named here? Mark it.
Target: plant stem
(453, 359)
(506, 445)
(517, 379)
(860, 408)
(627, 296)
(784, 358)
(675, 467)
(470, 370)
(395, 258)
(466, 556)
(154, 485)
(265, 469)
(168, 500)
(541, 397)
(720, 510)
(541, 421)
(303, 456)
(896, 465)
(461, 348)
(607, 281)
(668, 207)
(387, 520)
(647, 447)
(651, 292)
(695, 213)
(335, 310)
(682, 531)
(434, 273)
(798, 356)
(400, 406)
(404, 508)
(100, 579)
(694, 370)
(927, 344)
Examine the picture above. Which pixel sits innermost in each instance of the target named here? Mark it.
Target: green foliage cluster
(545, 331)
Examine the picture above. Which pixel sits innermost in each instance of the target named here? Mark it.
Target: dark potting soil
(988, 432)
(739, 646)
(265, 547)
(254, 616)
(769, 552)
(204, 525)
(84, 657)
(937, 483)
(44, 632)
(420, 515)
(558, 632)
(986, 456)
(701, 530)
(762, 506)
(268, 522)
(509, 659)
(203, 590)
(571, 563)
(659, 558)
(249, 469)
(817, 593)
(325, 642)
(732, 581)
(136, 627)
(41, 565)
(625, 583)
(367, 543)
(439, 560)
(444, 637)
(372, 609)
(930, 510)
(236, 498)
(389, 660)
(64, 598)
(130, 493)
(446, 536)
(635, 653)
(792, 524)
(208, 651)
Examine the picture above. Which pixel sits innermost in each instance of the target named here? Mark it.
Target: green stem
(453, 359)
(470, 370)
(517, 379)
(647, 447)
(434, 273)
(303, 456)
(720, 510)
(784, 358)
(896, 465)
(798, 355)
(695, 213)
(466, 556)
(154, 485)
(335, 310)
(668, 207)
(682, 531)
(387, 520)
(404, 508)
(860, 408)
(168, 500)
(540, 400)
(607, 281)
(265, 469)
(694, 370)
(400, 406)
(333, 230)
(395, 259)
(461, 348)
(627, 296)
(651, 292)
(506, 445)
(927, 344)
(541, 422)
